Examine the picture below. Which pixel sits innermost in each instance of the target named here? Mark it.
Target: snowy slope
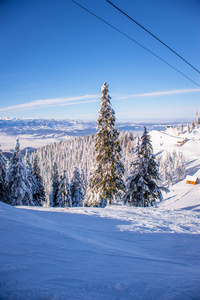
(168, 141)
(93, 253)
(181, 195)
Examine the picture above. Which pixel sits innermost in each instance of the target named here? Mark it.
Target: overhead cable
(136, 42)
(153, 36)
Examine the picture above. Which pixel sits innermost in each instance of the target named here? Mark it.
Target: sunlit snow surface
(94, 253)
(115, 253)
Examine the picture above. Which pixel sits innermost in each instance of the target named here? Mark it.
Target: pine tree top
(106, 113)
(146, 147)
(17, 146)
(17, 154)
(104, 87)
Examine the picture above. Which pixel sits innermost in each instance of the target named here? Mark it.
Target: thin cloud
(63, 101)
(163, 93)
(53, 102)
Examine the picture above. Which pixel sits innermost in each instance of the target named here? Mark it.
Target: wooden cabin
(191, 179)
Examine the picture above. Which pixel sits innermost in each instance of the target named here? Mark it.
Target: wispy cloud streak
(53, 102)
(63, 101)
(163, 93)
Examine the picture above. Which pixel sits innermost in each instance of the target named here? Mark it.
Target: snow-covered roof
(191, 178)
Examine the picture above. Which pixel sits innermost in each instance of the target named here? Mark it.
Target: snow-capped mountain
(18, 126)
(35, 133)
(45, 127)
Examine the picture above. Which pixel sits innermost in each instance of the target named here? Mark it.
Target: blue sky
(54, 58)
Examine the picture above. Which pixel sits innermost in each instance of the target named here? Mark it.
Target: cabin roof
(191, 178)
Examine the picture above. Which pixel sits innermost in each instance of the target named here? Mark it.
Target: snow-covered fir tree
(106, 179)
(55, 198)
(65, 192)
(135, 187)
(39, 195)
(83, 182)
(19, 186)
(142, 188)
(150, 170)
(31, 179)
(76, 189)
(3, 181)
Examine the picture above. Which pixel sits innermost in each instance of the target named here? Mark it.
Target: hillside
(181, 195)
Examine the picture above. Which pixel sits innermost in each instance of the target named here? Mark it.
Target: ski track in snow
(95, 253)
(149, 220)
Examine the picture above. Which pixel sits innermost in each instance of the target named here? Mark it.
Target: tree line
(22, 184)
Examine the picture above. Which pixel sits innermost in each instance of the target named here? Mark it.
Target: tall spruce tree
(150, 170)
(76, 189)
(39, 195)
(55, 199)
(142, 188)
(31, 178)
(19, 186)
(3, 181)
(83, 182)
(65, 192)
(135, 186)
(106, 179)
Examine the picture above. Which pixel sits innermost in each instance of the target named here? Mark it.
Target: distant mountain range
(36, 133)
(57, 128)
(46, 127)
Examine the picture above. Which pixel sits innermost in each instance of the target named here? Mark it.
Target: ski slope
(181, 195)
(168, 141)
(95, 253)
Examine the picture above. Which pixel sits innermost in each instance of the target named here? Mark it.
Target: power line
(153, 36)
(136, 42)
